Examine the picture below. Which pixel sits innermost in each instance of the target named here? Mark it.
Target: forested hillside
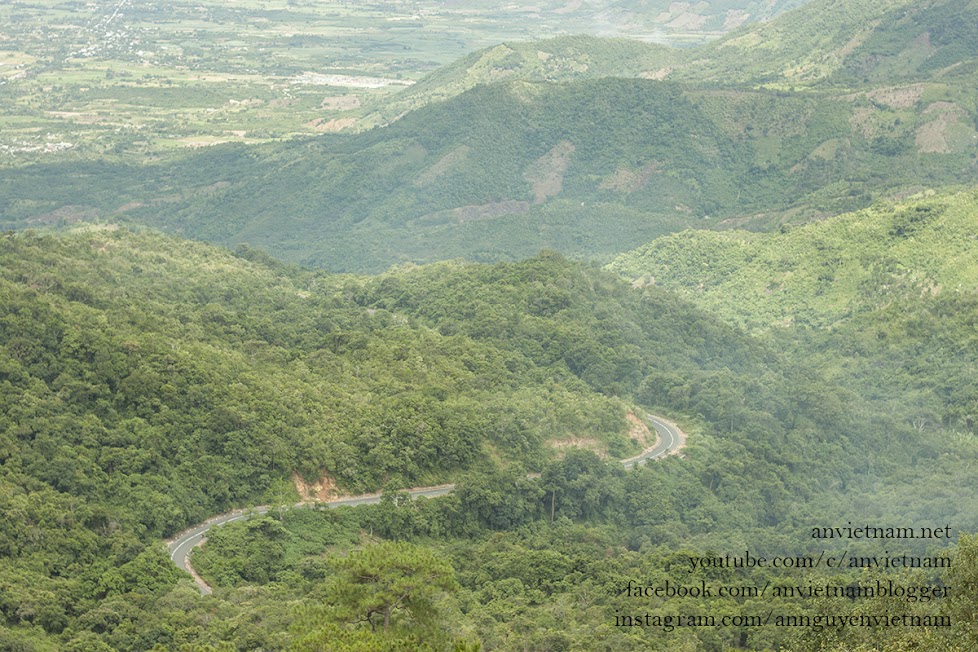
(563, 59)
(590, 168)
(849, 43)
(856, 45)
(821, 274)
(149, 382)
(789, 216)
(197, 365)
(884, 299)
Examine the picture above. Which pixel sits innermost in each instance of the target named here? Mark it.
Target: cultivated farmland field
(107, 79)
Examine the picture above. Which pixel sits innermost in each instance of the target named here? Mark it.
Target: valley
(383, 290)
(136, 79)
(588, 146)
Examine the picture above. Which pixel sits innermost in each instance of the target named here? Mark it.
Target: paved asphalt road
(671, 439)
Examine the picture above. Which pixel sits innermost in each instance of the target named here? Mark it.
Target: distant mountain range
(660, 17)
(825, 43)
(584, 145)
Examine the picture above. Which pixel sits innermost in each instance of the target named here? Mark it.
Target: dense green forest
(149, 382)
(884, 297)
(769, 239)
(825, 273)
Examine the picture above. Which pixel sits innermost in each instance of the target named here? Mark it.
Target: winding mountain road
(670, 440)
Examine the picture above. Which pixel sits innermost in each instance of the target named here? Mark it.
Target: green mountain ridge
(591, 167)
(841, 42)
(884, 299)
(820, 274)
(802, 46)
(563, 59)
(502, 171)
(855, 44)
(584, 168)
